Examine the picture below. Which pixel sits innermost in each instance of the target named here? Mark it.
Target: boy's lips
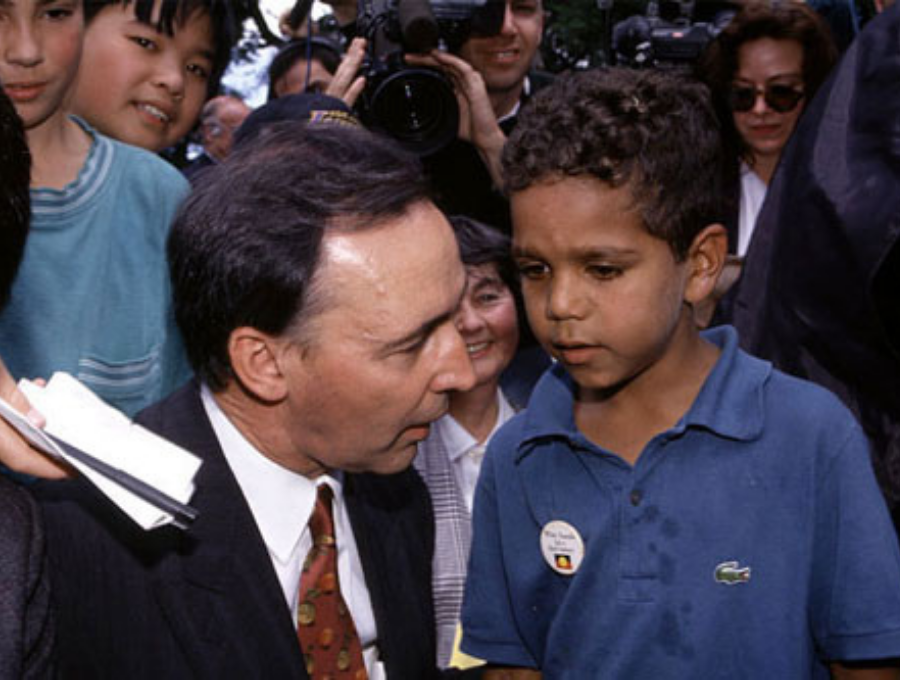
(574, 353)
(24, 92)
(155, 112)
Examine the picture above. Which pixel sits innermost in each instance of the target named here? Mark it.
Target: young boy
(667, 506)
(149, 65)
(92, 296)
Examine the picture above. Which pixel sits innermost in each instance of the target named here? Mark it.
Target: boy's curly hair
(654, 131)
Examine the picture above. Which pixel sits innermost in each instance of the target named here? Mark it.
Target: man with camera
(492, 48)
(493, 77)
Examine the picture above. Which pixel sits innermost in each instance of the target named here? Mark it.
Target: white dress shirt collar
(281, 500)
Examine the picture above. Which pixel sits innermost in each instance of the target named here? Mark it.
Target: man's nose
(509, 24)
(455, 372)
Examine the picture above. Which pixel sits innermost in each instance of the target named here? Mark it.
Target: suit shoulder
(18, 514)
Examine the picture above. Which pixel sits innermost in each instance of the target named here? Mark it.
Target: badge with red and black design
(562, 547)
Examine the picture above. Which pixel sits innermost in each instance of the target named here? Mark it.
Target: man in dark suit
(315, 286)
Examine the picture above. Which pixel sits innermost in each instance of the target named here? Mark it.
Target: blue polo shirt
(749, 541)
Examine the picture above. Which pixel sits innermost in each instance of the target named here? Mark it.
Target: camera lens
(416, 107)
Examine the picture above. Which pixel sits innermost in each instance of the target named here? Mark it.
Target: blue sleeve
(855, 579)
(489, 624)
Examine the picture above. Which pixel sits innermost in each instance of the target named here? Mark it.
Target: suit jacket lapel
(221, 591)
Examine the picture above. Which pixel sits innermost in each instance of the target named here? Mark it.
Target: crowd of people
(540, 403)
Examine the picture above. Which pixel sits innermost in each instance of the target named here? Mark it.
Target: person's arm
(866, 671)
(15, 452)
(477, 120)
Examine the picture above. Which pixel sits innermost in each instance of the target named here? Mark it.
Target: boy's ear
(256, 362)
(705, 260)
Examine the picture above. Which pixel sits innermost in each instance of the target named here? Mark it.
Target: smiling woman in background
(449, 460)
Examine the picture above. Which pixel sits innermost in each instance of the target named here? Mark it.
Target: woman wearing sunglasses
(763, 69)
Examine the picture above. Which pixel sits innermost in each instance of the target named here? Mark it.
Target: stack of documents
(148, 477)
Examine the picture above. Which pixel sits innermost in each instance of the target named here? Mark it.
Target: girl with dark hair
(763, 69)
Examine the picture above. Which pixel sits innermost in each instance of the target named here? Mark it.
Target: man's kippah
(309, 108)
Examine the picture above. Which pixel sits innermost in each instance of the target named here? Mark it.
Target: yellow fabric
(459, 659)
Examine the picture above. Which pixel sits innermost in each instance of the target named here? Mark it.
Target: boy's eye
(145, 43)
(58, 13)
(532, 270)
(198, 70)
(604, 271)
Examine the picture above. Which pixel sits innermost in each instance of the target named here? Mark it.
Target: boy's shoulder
(744, 398)
(139, 164)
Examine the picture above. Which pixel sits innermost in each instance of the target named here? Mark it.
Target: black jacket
(818, 296)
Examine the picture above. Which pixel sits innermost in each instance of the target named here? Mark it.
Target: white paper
(77, 416)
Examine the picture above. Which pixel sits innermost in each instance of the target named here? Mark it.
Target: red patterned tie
(327, 634)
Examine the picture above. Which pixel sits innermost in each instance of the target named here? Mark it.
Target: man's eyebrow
(425, 329)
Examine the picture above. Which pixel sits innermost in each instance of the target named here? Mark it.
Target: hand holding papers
(148, 477)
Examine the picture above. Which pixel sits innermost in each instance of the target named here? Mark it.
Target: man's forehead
(393, 279)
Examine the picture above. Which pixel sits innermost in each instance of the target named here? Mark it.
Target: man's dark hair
(757, 19)
(245, 248)
(226, 27)
(15, 205)
(652, 131)
(317, 49)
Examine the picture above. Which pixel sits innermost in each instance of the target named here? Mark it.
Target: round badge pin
(562, 547)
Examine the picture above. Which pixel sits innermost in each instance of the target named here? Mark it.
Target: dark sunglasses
(780, 98)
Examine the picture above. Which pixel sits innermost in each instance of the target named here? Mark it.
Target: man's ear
(705, 260)
(256, 362)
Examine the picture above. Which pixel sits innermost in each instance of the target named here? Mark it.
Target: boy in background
(92, 296)
(149, 65)
(667, 506)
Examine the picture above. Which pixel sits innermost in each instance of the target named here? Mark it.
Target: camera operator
(492, 77)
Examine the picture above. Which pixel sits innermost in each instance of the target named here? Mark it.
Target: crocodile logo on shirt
(730, 574)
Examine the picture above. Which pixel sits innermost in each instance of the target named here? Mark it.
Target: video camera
(417, 106)
(665, 36)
